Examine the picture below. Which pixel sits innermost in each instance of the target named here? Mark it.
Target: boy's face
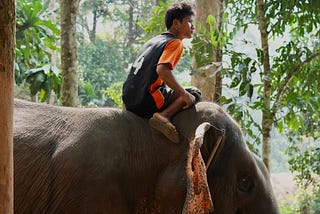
(185, 28)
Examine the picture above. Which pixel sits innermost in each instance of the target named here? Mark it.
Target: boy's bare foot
(163, 125)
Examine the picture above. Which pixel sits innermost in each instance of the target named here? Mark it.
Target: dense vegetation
(111, 32)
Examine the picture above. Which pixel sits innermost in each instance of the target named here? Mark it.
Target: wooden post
(7, 54)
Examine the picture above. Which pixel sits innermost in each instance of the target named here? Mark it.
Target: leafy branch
(283, 87)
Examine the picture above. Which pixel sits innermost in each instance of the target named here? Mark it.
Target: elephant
(108, 160)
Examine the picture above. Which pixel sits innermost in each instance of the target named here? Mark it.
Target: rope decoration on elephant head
(198, 199)
(215, 148)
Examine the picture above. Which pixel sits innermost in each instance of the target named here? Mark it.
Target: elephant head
(238, 180)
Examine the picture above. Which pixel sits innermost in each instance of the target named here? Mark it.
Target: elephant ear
(198, 198)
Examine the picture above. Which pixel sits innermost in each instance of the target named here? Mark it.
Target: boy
(144, 91)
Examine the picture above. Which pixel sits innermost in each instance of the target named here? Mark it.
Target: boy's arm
(167, 76)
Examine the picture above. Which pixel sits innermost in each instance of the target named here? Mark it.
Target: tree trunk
(211, 86)
(85, 24)
(53, 5)
(92, 33)
(69, 10)
(131, 27)
(7, 47)
(266, 113)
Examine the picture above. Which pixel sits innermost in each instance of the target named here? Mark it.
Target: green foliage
(209, 39)
(121, 16)
(156, 24)
(301, 100)
(240, 77)
(288, 209)
(315, 202)
(309, 201)
(294, 68)
(100, 64)
(86, 92)
(44, 80)
(106, 59)
(303, 202)
(302, 16)
(305, 162)
(242, 69)
(100, 7)
(114, 92)
(36, 39)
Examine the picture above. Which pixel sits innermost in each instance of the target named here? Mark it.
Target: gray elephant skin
(105, 160)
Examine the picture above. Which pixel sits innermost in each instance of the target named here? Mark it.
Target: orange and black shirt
(143, 82)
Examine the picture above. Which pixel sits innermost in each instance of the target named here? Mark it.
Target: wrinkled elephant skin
(103, 160)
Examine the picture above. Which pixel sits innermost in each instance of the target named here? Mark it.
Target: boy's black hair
(178, 11)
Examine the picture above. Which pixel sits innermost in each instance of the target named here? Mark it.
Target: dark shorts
(149, 107)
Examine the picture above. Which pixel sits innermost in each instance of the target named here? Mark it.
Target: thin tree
(7, 47)
(68, 12)
(266, 114)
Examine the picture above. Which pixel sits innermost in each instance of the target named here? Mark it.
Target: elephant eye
(246, 184)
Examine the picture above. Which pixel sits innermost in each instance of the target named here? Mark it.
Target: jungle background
(259, 59)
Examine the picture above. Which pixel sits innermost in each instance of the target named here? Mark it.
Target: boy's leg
(173, 108)
(161, 120)
(174, 103)
(172, 96)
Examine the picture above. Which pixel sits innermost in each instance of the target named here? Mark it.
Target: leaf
(294, 123)
(36, 8)
(55, 70)
(46, 69)
(34, 70)
(211, 20)
(244, 86)
(223, 100)
(35, 82)
(260, 56)
(250, 91)
(247, 60)
(235, 82)
(280, 126)
(48, 25)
